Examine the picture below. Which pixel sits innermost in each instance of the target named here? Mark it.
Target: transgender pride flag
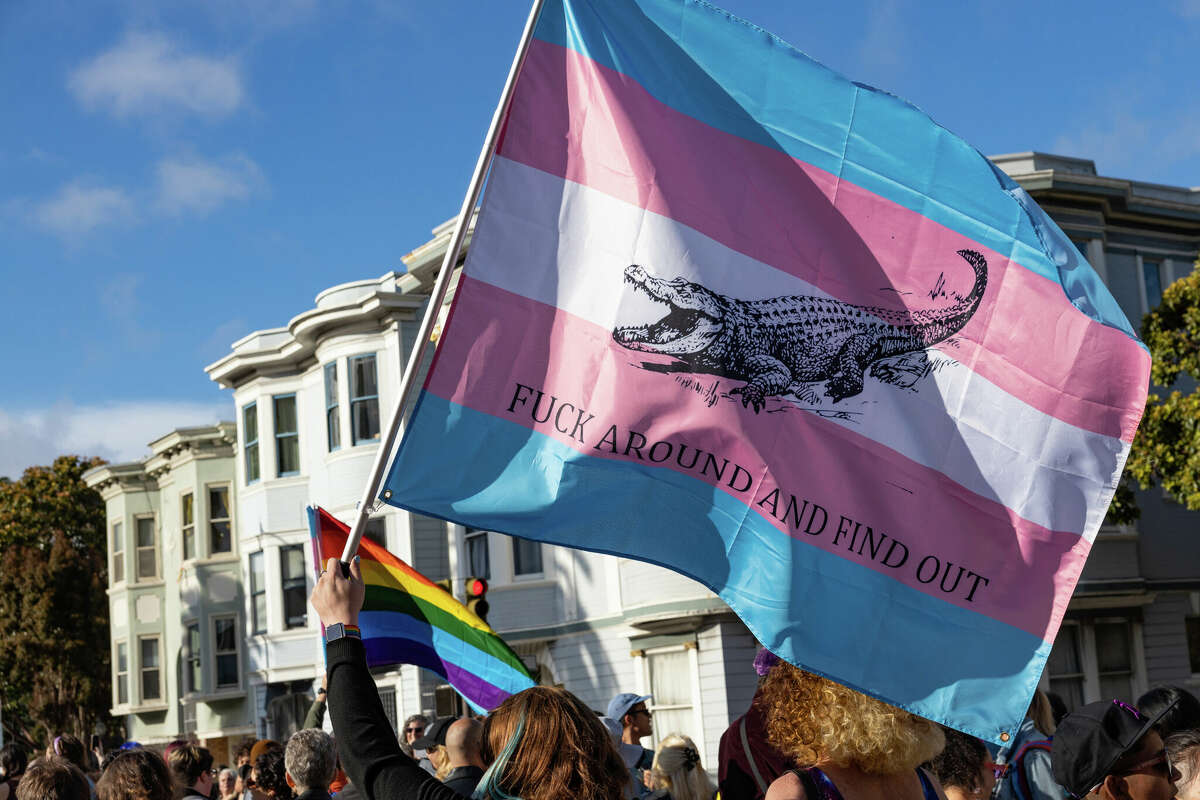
(731, 313)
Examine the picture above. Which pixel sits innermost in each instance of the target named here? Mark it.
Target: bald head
(462, 743)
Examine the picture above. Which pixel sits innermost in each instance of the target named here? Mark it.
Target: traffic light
(477, 597)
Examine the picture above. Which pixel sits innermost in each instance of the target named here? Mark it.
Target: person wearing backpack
(1027, 774)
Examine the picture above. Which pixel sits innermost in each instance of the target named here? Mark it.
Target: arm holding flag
(368, 746)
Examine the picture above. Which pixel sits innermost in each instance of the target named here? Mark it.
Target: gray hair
(310, 759)
(227, 771)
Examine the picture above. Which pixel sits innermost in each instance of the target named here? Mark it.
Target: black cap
(1091, 739)
(435, 733)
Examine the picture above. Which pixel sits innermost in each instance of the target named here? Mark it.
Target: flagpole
(440, 286)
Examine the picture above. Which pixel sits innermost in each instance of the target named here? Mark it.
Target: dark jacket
(464, 779)
(370, 753)
(314, 794)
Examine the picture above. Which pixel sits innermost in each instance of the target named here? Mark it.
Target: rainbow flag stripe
(408, 619)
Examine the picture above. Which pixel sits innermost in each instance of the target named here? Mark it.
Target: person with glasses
(636, 721)
(1110, 751)
(414, 728)
(191, 769)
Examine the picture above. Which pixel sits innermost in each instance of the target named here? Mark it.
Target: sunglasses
(1161, 763)
(414, 730)
(645, 711)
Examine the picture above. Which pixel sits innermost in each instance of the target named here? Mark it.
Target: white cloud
(117, 432)
(79, 208)
(148, 73)
(884, 47)
(1189, 9)
(199, 186)
(1135, 146)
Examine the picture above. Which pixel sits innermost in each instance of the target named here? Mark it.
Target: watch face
(335, 631)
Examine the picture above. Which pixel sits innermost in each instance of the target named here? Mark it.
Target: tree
(1166, 449)
(54, 662)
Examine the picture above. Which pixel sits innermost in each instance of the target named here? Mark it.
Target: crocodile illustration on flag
(731, 313)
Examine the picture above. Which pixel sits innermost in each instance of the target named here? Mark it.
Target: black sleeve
(366, 742)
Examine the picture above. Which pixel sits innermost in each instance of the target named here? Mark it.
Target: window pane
(192, 670)
(287, 452)
(122, 689)
(1064, 657)
(1116, 687)
(1153, 280)
(670, 682)
(227, 671)
(145, 532)
(365, 420)
(285, 414)
(331, 392)
(671, 721)
(527, 557)
(149, 653)
(295, 589)
(293, 561)
(118, 537)
(147, 561)
(122, 657)
(363, 380)
(218, 503)
(1070, 690)
(189, 542)
(224, 635)
(187, 509)
(477, 555)
(1112, 648)
(260, 613)
(258, 575)
(150, 685)
(250, 422)
(252, 473)
(222, 542)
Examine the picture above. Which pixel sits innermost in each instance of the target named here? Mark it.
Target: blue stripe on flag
(710, 65)
(830, 610)
(393, 624)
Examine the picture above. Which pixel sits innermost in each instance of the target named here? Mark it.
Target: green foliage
(54, 663)
(1166, 449)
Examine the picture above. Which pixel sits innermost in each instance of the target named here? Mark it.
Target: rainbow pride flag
(731, 313)
(408, 619)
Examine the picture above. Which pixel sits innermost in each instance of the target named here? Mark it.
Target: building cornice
(360, 304)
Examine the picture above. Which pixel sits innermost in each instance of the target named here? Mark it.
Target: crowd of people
(804, 737)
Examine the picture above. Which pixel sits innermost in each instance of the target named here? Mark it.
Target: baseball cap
(435, 734)
(619, 706)
(1091, 739)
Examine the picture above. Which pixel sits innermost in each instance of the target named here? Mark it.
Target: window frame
(333, 421)
(143, 669)
(120, 679)
(193, 666)
(117, 530)
(279, 438)
(138, 548)
(216, 654)
(250, 446)
(541, 559)
(257, 591)
(477, 534)
(208, 490)
(381, 524)
(645, 681)
(357, 400)
(291, 583)
(1088, 657)
(187, 528)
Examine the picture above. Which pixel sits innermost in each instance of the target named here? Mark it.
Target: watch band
(339, 631)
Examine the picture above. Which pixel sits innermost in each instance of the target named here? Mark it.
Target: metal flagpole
(409, 379)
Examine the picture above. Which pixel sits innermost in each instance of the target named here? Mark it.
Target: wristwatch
(339, 631)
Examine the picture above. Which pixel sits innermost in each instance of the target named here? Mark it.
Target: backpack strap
(758, 778)
(1021, 783)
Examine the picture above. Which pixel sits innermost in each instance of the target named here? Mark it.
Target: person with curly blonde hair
(846, 746)
(677, 774)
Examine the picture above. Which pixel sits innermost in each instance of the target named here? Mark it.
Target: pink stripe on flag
(1030, 570)
(584, 122)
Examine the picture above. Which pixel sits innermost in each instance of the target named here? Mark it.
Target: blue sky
(174, 175)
